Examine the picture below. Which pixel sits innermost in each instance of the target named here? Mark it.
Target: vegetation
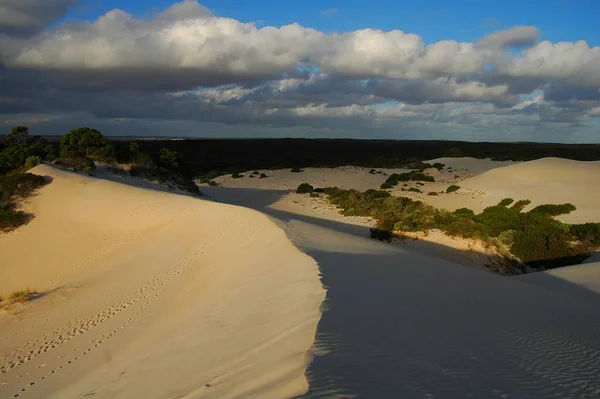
(455, 152)
(506, 202)
(395, 178)
(296, 170)
(452, 188)
(305, 188)
(237, 175)
(17, 297)
(520, 204)
(432, 193)
(533, 238)
(414, 190)
(12, 187)
(263, 176)
(227, 156)
(166, 166)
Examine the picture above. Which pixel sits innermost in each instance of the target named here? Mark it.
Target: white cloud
(187, 64)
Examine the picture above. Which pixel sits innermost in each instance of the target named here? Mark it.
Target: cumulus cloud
(28, 16)
(186, 64)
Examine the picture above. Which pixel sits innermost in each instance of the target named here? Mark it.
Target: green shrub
(587, 232)
(314, 195)
(420, 184)
(521, 204)
(262, 176)
(452, 188)
(386, 186)
(213, 183)
(372, 171)
(304, 188)
(296, 170)
(32, 161)
(395, 178)
(12, 187)
(381, 235)
(319, 190)
(506, 202)
(533, 238)
(256, 172)
(553, 210)
(432, 193)
(415, 190)
(237, 175)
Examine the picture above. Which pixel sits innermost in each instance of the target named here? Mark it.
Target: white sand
(543, 181)
(399, 322)
(149, 294)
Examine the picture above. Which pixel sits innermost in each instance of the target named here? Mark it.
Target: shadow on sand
(401, 324)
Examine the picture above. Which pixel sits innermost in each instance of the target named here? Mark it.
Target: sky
(432, 69)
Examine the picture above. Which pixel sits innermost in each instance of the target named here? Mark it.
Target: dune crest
(149, 294)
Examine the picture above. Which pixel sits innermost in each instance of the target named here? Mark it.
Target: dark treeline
(237, 155)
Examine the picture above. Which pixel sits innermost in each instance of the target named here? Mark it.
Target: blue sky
(434, 20)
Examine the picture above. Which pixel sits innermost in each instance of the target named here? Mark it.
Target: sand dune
(149, 294)
(400, 323)
(544, 181)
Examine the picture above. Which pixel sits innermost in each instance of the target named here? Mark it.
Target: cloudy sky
(467, 70)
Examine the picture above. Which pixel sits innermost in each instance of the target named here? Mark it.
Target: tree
(17, 133)
(87, 143)
(169, 159)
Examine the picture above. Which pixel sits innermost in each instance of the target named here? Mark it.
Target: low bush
(534, 238)
(296, 170)
(415, 190)
(212, 183)
(372, 171)
(452, 188)
(319, 190)
(396, 178)
(12, 187)
(237, 175)
(432, 193)
(262, 176)
(506, 202)
(381, 235)
(256, 172)
(314, 195)
(304, 188)
(521, 204)
(32, 161)
(553, 210)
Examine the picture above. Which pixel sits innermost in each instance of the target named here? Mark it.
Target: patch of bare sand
(543, 181)
(150, 294)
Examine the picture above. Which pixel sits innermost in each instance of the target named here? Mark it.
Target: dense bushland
(534, 237)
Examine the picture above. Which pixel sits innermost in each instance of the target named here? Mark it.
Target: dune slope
(149, 294)
(545, 181)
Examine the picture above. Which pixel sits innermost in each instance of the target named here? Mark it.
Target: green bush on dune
(535, 238)
(452, 188)
(304, 188)
(396, 178)
(12, 187)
